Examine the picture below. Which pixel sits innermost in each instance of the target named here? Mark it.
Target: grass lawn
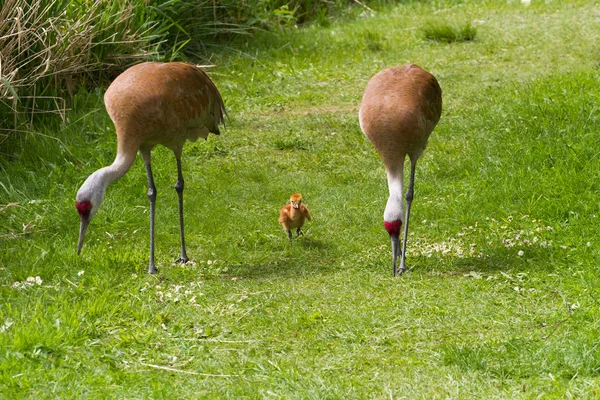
(502, 297)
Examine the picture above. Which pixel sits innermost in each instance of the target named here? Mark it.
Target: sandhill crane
(293, 215)
(153, 103)
(399, 109)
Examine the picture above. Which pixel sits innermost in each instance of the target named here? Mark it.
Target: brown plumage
(400, 108)
(293, 215)
(153, 103)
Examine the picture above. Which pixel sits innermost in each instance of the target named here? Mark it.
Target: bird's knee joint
(179, 186)
(152, 194)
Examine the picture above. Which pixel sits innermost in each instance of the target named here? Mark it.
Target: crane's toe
(182, 260)
(152, 269)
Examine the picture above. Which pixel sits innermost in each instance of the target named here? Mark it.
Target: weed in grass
(208, 149)
(446, 33)
(290, 142)
(375, 41)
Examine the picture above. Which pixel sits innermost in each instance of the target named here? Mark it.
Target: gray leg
(409, 198)
(290, 235)
(299, 232)
(152, 197)
(183, 258)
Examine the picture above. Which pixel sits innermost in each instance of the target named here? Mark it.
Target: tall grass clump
(48, 48)
(446, 33)
(270, 13)
(198, 27)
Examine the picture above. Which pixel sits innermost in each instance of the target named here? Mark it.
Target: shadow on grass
(288, 268)
(499, 259)
(310, 256)
(312, 244)
(306, 256)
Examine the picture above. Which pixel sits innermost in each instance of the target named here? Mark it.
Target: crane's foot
(152, 269)
(299, 232)
(399, 271)
(182, 259)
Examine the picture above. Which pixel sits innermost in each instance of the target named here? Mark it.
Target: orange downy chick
(293, 215)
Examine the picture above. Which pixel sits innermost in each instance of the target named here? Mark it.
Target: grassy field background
(502, 297)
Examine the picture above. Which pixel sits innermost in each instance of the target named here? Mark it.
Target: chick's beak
(82, 228)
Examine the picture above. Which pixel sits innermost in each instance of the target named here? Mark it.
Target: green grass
(502, 297)
(445, 33)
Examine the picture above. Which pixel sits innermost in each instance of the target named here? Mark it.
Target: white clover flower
(80, 273)
(520, 253)
(7, 324)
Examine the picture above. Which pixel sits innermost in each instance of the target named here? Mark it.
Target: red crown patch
(83, 208)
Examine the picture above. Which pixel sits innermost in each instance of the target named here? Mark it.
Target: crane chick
(293, 215)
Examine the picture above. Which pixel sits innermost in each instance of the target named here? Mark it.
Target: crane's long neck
(117, 169)
(394, 207)
(95, 185)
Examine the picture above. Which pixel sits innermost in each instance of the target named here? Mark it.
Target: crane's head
(393, 229)
(296, 200)
(88, 200)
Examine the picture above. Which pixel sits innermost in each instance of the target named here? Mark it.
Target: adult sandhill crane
(400, 108)
(153, 103)
(293, 215)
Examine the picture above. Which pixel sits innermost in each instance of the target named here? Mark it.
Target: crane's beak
(82, 228)
(395, 252)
